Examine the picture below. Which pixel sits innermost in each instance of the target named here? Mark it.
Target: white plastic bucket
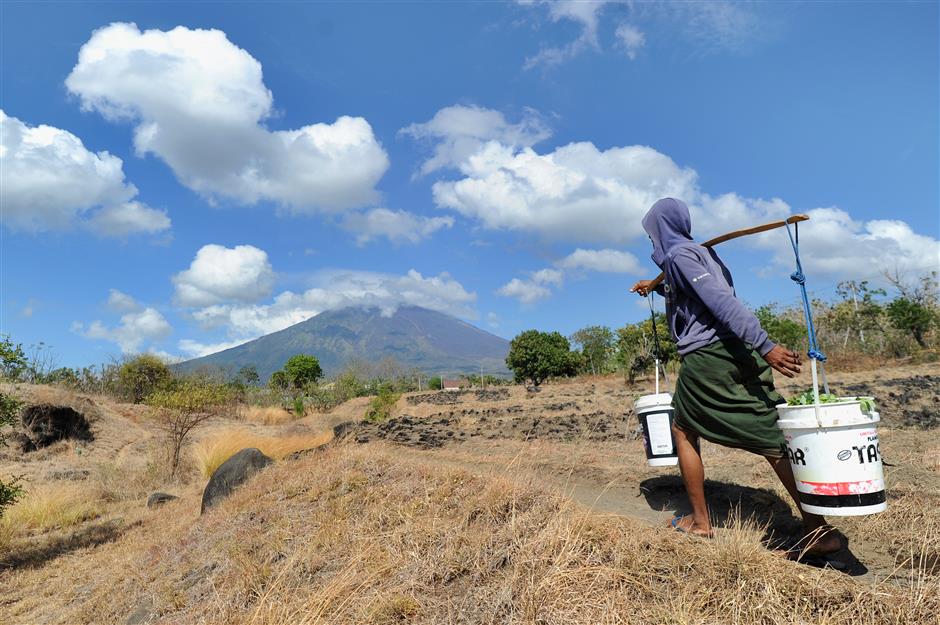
(655, 415)
(837, 466)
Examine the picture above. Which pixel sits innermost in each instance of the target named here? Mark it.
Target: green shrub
(780, 328)
(13, 361)
(380, 408)
(143, 375)
(9, 415)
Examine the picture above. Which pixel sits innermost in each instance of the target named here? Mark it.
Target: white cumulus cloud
(396, 226)
(49, 180)
(339, 289)
(460, 130)
(835, 244)
(134, 330)
(575, 192)
(578, 193)
(128, 218)
(195, 349)
(220, 274)
(121, 302)
(526, 291)
(548, 276)
(198, 102)
(606, 260)
(537, 286)
(541, 283)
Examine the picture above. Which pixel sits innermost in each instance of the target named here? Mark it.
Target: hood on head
(668, 223)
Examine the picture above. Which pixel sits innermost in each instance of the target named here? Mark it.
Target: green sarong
(725, 394)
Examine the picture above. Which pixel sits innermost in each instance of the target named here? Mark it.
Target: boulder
(233, 472)
(158, 499)
(48, 423)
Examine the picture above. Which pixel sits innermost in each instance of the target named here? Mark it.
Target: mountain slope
(416, 337)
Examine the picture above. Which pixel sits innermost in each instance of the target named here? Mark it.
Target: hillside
(431, 341)
(475, 507)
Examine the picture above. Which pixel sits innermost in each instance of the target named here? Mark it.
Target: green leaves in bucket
(806, 399)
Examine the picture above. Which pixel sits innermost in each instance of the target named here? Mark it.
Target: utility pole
(482, 384)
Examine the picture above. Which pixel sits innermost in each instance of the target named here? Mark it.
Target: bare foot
(688, 525)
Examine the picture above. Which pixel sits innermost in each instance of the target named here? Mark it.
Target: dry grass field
(479, 508)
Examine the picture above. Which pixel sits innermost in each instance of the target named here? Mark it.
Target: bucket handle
(816, 394)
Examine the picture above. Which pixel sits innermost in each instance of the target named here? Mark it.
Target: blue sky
(490, 160)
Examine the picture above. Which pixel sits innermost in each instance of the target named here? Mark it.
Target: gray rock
(69, 474)
(343, 429)
(300, 453)
(143, 614)
(232, 474)
(158, 499)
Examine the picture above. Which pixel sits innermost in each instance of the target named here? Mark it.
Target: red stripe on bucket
(844, 488)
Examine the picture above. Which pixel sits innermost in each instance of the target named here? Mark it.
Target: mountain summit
(434, 342)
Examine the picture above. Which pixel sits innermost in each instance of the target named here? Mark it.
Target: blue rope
(798, 277)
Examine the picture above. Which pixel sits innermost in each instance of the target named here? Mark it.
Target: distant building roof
(453, 384)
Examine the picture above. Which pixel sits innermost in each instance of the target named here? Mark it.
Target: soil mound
(911, 401)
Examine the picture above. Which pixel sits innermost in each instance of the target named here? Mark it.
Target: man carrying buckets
(725, 389)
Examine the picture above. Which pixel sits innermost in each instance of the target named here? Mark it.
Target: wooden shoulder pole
(740, 233)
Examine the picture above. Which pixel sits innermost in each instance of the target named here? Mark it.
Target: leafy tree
(435, 383)
(9, 415)
(915, 310)
(248, 375)
(911, 316)
(536, 356)
(597, 344)
(781, 329)
(635, 347)
(301, 370)
(181, 409)
(13, 361)
(64, 376)
(857, 313)
(279, 381)
(141, 375)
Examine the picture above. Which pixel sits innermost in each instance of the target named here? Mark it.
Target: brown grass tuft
(211, 452)
(50, 507)
(264, 415)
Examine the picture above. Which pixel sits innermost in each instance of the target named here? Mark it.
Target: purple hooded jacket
(701, 306)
